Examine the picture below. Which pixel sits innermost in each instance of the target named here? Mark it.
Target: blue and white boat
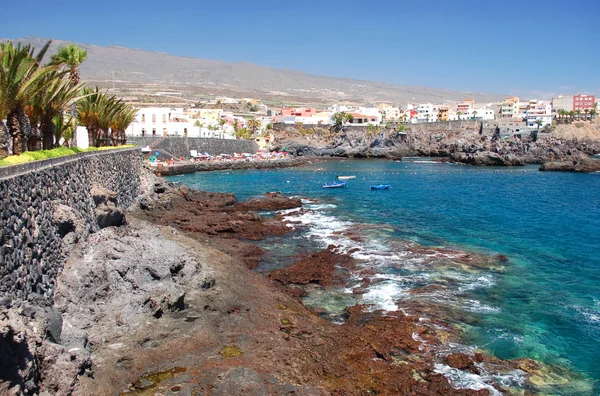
(380, 187)
(334, 185)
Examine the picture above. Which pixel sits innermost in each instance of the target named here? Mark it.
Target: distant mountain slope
(139, 66)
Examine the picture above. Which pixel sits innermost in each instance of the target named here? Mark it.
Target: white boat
(345, 177)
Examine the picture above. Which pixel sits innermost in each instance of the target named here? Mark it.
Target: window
(154, 118)
(164, 118)
(185, 132)
(143, 118)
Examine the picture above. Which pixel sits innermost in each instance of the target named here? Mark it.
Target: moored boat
(380, 187)
(334, 185)
(345, 177)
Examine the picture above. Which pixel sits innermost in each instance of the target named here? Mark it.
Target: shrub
(30, 156)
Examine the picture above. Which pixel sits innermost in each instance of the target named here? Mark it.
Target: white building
(540, 111)
(426, 112)
(480, 113)
(389, 112)
(165, 121)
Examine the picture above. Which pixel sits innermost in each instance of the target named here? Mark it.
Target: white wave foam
(589, 315)
(465, 380)
(477, 306)
(480, 282)
(383, 295)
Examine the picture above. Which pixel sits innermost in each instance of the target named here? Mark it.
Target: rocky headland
(468, 142)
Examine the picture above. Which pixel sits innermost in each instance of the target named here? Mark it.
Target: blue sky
(529, 48)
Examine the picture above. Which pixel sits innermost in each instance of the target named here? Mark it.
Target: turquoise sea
(544, 303)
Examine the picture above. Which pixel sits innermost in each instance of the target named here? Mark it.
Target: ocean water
(543, 303)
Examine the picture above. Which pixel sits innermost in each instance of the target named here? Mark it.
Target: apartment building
(583, 102)
(509, 108)
(168, 121)
(540, 111)
(389, 112)
(563, 102)
(466, 106)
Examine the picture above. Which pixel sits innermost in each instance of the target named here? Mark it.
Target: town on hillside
(248, 118)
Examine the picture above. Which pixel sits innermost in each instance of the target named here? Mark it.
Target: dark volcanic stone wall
(30, 241)
(180, 146)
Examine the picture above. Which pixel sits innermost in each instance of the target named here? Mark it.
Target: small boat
(345, 177)
(381, 187)
(334, 185)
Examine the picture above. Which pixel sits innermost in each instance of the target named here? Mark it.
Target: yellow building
(443, 113)
(208, 115)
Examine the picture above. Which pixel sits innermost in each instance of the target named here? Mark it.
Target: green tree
(64, 128)
(253, 125)
(124, 116)
(539, 123)
(70, 56)
(56, 95)
(97, 112)
(340, 118)
(20, 75)
(593, 113)
(243, 133)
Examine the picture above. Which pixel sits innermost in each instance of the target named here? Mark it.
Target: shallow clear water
(543, 304)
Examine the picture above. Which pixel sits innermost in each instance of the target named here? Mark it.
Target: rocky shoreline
(578, 165)
(469, 144)
(243, 165)
(167, 303)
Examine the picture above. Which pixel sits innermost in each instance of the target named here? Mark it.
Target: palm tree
(64, 128)
(124, 117)
(587, 112)
(593, 112)
(96, 111)
(20, 72)
(340, 118)
(70, 57)
(561, 114)
(57, 96)
(539, 123)
(253, 125)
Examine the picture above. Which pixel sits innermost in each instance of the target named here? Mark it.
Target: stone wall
(181, 146)
(32, 241)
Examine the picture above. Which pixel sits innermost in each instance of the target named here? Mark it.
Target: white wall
(82, 137)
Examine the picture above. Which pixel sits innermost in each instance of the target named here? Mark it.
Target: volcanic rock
(317, 268)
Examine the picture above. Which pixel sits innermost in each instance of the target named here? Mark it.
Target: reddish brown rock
(462, 362)
(316, 268)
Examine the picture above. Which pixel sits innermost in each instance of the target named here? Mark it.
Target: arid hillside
(127, 67)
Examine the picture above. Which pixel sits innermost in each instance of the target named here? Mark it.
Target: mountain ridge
(138, 66)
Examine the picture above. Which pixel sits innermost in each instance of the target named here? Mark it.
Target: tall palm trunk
(4, 140)
(48, 128)
(34, 140)
(74, 75)
(91, 137)
(14, 124)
